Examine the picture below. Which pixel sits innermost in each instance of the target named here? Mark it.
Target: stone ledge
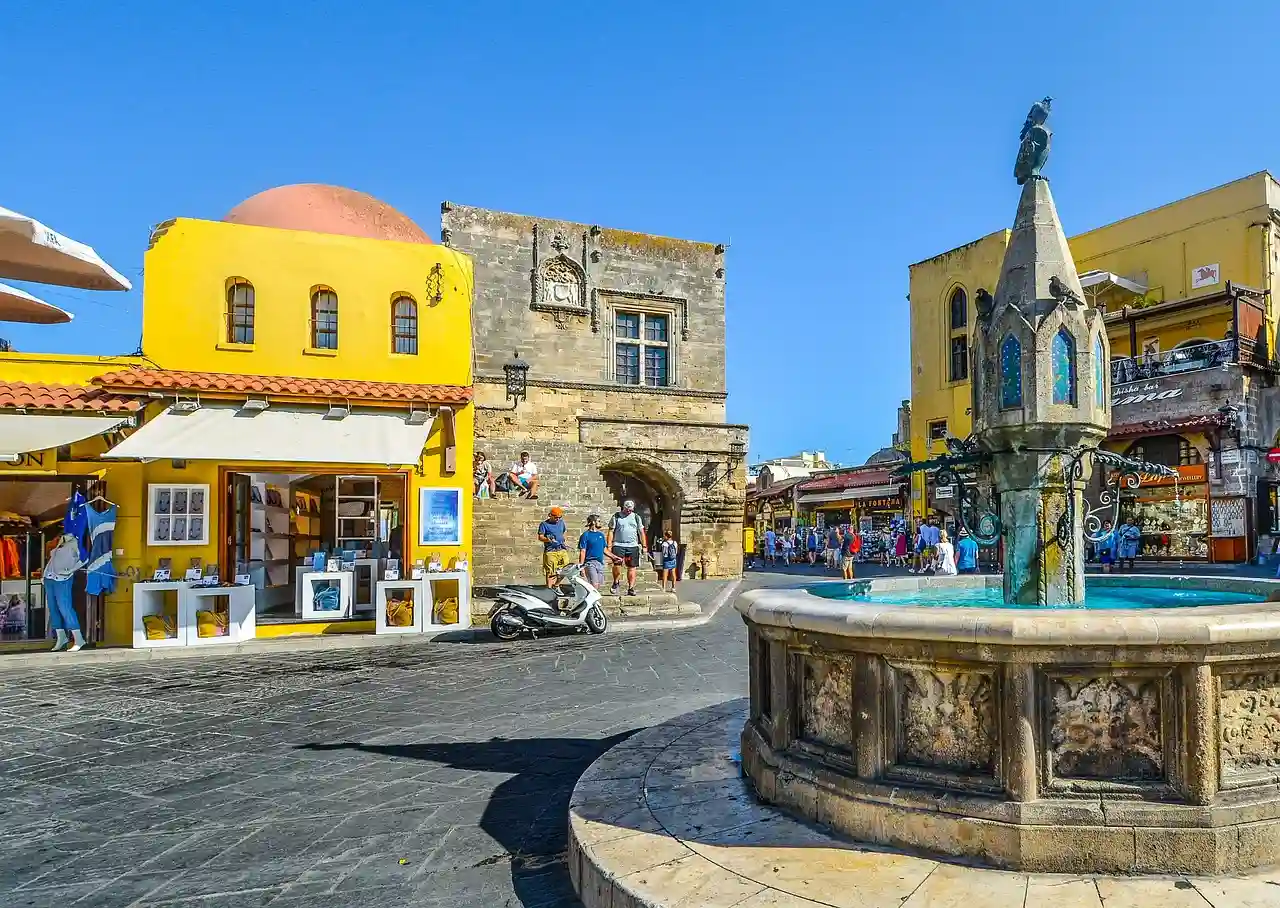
(666, 819)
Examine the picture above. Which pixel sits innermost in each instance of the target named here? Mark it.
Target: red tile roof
(1166, 426)
(856, 478)
(34, 396)
(136, 379)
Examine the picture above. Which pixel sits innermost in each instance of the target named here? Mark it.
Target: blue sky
(830, 145)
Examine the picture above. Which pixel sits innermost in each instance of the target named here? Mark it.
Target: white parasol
(19, 306)
(30, 251)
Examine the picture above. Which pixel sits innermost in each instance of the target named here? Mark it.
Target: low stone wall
(1044, 740)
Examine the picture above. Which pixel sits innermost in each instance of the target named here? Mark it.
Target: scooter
(530, 609)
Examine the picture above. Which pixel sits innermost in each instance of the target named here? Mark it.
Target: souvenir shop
(1173, 515)
(55, 557)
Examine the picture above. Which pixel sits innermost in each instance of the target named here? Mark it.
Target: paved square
(425, 775)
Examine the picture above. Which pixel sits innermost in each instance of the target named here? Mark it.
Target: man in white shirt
(524, 473)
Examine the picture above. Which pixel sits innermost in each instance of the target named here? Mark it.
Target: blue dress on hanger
(101, 574)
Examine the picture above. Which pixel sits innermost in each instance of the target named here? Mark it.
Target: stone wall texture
(551, 290)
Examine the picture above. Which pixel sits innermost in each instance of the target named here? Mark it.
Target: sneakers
(614, 589)
(631, 591)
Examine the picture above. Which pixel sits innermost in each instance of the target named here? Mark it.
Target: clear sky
(830, 144)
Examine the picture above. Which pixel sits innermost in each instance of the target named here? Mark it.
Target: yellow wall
(184, 310)
(183, 328)
(1228, 226)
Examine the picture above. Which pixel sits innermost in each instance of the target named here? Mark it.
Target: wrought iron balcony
(1181, 359)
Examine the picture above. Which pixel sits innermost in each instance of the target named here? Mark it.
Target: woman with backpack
(668, 552)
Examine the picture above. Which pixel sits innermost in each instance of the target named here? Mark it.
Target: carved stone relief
(561, 285)
(1249, 719)
(946, 719)
(826, 714)
(1105, 728)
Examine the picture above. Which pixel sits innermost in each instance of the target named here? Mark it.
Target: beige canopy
(30, 251)
(19, 306)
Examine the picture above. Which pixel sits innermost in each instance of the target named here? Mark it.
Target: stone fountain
(1006, 718)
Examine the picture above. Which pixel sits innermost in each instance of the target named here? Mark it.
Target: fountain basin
(1054, 740)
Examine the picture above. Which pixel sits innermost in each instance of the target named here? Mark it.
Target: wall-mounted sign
(1273, 456)
(1142, 393)
(1205, 276)
(1229, 455)
(943, 492)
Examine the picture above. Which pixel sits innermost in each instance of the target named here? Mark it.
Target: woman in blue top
(1106, 547)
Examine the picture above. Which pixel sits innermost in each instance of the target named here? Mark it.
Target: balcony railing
(1171, 362)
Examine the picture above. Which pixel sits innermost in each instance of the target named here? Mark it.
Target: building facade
(305, 387)
(1190, 314)
(624, 334)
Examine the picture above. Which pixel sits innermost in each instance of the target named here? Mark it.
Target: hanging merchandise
(75, 523)
(102, 575)
(10, 562)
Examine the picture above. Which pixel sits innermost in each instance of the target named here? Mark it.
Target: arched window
(324, 319)
(239, 312)
(1099, 373)
(1063, 356)
(404, 325)
(958, 349)
(1010, 372)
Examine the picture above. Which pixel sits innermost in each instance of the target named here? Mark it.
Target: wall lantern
(517, 372)
(435, 283)
(737, 450)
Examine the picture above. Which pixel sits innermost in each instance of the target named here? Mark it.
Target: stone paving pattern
(430, 774)
(666, 819)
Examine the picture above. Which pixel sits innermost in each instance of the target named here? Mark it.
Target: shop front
(1173, 514)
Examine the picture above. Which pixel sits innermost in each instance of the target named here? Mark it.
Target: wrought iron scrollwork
(1126, 473)
(955, 469)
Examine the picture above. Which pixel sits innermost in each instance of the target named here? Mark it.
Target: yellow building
(1191, 319)
(305, 388)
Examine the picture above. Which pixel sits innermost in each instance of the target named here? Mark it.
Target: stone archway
(658, 496)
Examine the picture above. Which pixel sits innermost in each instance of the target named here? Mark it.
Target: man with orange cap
(555, 557)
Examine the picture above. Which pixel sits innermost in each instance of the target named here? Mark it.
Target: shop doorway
(283, 525)
(32, 522)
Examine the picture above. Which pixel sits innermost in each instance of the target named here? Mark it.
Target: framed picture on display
(440, 516)
(176, 514)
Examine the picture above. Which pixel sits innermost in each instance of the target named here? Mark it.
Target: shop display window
(1174, 522)
(178, 515)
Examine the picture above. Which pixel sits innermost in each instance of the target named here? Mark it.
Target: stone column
(1038, 569)
(1202, 725)
(1021, 776)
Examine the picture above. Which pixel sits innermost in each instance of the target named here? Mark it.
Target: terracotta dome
(326, 209)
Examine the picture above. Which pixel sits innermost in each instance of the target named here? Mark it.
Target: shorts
(968, 570)
(669, 564)
(927, 551)
(1106, 556)
(595, 572)
(554, 562)
(630, 554)
(847, 562)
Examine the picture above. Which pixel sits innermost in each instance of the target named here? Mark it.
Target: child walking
(668, 550)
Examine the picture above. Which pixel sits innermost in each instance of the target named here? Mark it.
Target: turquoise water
(1101, 597)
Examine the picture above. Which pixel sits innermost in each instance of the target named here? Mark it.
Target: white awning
(21, 433)
(277, 436)
(841, 495)
(30, 251)
(20, 306)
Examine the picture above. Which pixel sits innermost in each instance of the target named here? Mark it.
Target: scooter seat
(537, 592)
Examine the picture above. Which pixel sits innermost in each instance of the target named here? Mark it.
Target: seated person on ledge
(524, 474)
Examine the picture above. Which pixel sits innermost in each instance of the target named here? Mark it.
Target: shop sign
(46, 461)
(1273, 456)
(1192, 473)
(1205, 276)
(1230, 455)
(943, 492)
(885, 503)
(1142, 393)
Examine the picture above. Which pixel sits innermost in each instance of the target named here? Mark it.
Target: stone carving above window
(827, 707)
(946, 719)
(1249, 723)
(1106, 728)
(561, 285)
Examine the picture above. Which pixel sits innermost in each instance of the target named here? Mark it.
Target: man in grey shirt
(626, 542)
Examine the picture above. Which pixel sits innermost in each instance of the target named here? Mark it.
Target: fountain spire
(1040, 389)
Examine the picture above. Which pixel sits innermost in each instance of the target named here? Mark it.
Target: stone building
(624, 334)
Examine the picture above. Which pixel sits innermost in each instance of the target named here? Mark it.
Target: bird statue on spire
(1034, 151)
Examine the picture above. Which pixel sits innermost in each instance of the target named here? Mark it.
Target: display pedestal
(411, 592)
(159, 600)
(314, 581)
(233, 608)
(435, 597)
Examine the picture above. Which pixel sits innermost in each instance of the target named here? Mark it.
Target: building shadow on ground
(528, 814)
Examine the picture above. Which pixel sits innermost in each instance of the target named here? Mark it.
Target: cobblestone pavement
(425, 775)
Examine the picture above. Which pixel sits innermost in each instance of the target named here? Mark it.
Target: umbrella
(30, 251)
(19, 306)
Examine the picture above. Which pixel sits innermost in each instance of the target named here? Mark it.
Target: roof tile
(855, 478)
(133, 379)
(16, 395)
